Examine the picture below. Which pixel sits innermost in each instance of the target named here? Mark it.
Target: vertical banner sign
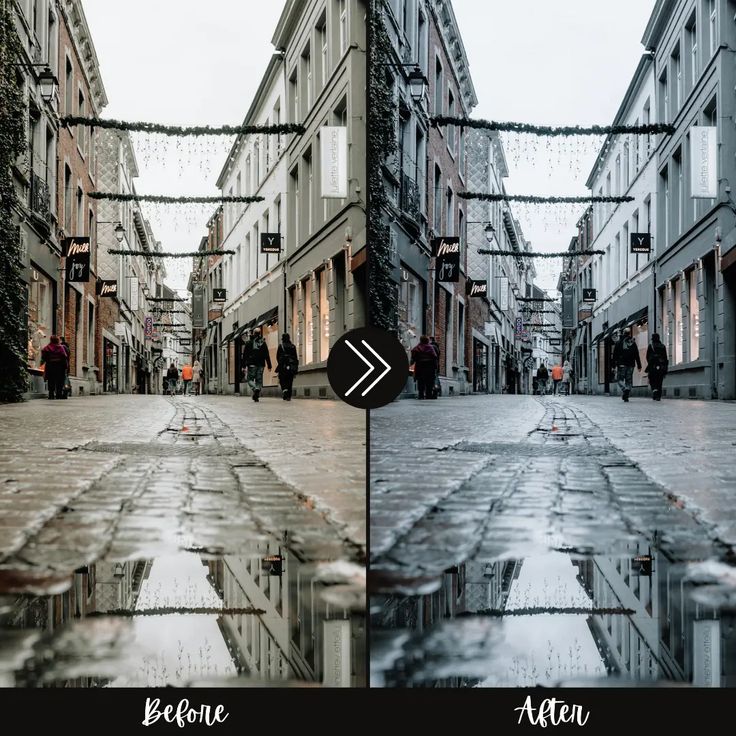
(703, 162)
(198, 318)
(134, 294)
(504, 282)
(148, 326)
(447, 252)
(568, 305)
(77, 252)
(519, 325)
(334, 160)
(336, 643)
(707, 653)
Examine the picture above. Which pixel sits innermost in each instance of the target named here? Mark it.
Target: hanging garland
(166, 299)
(164, 199)
(178, 130)
(13, 290)
(381, 145)
(158, 254)
(533, 199)
(533, 299)
(526, 254)
(549, 130)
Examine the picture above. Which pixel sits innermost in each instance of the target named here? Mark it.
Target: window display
(40, 315)
(411, 308)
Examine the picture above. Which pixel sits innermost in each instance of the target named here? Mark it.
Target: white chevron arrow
(370, 370)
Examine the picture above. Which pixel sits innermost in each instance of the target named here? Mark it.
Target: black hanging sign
(589, 295)
(219, 295)
(476, 288)
(273, 565)
(641, 243)
(107, 288)
(77, 252)
(447, 252)
(270, 243)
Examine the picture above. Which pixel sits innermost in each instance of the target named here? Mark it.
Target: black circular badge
(367, 368)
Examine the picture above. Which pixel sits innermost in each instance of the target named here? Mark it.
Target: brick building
(81, 92)
(450, 93)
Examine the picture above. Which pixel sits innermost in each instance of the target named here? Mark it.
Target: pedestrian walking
(196, 376)
(287, 365)
(558, 374)
(657, 365)
(255, 358)
(55, 361)
(567, 377)
(172, 378)
(186, 377)
(437, 389)
(542, 378)
(625, 357)
(424, 360)
(67, 382)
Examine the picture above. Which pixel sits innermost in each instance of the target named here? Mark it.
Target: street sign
(589, 295)
(447, 252)
(641, 243)
(270, 243)
(77, 252)
(219, 295)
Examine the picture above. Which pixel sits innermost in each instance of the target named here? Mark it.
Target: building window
(618, 174)
(678, 323)
(692, 35)
(91, 334)
(324, 315)
(308, 190)
(437, 199)
(627, 166)
(411, 309)
(257, 165)
(664, 97)
(83, 131)
(678, 191)
(460, 334)
(438, 88)
(677, 82)
(40, 315)
(80, 216)
(69, 88)
(307, 80)
(296, 333)
(294, 96)
(323, 47)
(343, 15)
(667, 204)
(451, 128)
(450, 213)
(694, 315)
(712, 26)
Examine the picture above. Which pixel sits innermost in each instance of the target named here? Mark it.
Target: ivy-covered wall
(13, 293)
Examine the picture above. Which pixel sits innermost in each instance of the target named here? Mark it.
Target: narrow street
(151, 540)
(595, 516)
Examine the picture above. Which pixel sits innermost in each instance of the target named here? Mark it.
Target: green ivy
(382, 291)
(13, 290)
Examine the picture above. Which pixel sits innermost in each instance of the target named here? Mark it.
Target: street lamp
(418, 83)
(489, 231)
(47, 84)
(119, 232)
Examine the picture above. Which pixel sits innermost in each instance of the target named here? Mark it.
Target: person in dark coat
(287, 365)
(255, 358)
(657, 365)
(424, 360)
(55, 360)
(625, 357)
(542, 378)
(172, 378)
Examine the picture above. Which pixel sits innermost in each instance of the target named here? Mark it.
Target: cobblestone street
(497, 486)
(111, 491)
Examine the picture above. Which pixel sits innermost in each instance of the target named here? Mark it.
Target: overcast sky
(551, 63)
(181, 62)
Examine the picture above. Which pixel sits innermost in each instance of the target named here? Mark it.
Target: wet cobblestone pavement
(528, 546)
(243, 546)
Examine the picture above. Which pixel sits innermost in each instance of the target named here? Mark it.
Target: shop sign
(568, 305)
(273, 565)
(219, 295)
(148, 326)
(584, 313)
(707, 653)
(270, 243)
(198, 321)
(336, 653)
(119, 329)
(504, 283)
(185, 341)
(77, 252)
(334, 159)
(447, 253)
(555, 341)
(703, 162)
(519, 325)
(107, 288)
(641, 243)
(476, 288)
(589, 295)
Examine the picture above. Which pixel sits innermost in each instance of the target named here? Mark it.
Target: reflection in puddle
(185, 619)
(556, 619)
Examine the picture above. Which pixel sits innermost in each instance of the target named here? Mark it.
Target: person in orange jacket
(557, 374)
(186, 376)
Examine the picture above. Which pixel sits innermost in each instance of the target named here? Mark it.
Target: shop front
(480, 367)
(110, 366)
(41, 322)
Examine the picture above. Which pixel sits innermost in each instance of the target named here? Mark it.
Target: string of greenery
(381, 145)
(157, 254)
(165, 199)
(13, 291)
(534, 199)
(165, 299)
(553, 130)
(535, 299)
(179, 130)
(528, 254)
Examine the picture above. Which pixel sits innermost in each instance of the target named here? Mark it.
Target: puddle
(261, 616)
(557, 619)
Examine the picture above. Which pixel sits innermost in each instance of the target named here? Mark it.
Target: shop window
(270, 334)
(640, 334)
(324, 315)
(308, 324)
(694, 315)
(40, 315)
(678, 324)
(411, 309)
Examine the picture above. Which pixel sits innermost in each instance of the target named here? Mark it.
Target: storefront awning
(267, 317)
(637, 316)
(227, 338)
(239, 331)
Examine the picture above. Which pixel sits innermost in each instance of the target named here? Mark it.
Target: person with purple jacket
(55, 360)
(424, 360)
